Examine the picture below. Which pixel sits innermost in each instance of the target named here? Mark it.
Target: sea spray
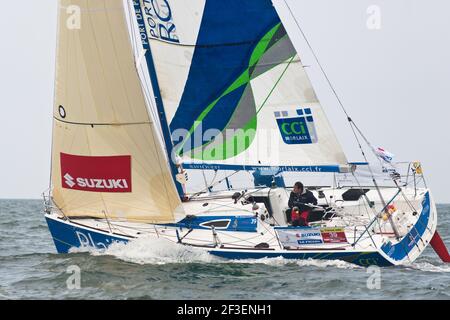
(428, 267)
(149, 250)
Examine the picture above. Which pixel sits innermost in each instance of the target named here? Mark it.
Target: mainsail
(107, 160)
(233, 88)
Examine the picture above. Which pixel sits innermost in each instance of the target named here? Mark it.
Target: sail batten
(107, 160)
(103, 124)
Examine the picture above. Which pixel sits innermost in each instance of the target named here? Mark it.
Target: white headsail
(107, 160)
(233, 88)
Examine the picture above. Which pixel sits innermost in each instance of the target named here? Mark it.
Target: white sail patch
(172, 46)
(292, 100)
(158, 15)
(173, 64)
(173, 21)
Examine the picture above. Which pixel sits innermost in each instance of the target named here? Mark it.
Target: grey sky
(395, 82)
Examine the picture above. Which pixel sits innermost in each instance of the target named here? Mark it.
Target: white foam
(279, 261)
(149, 250)
(329, 263)
(428, 267)
(83, 250)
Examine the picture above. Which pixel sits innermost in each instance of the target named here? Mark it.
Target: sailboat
(149, 94)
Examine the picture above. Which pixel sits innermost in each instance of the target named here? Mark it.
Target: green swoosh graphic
(241, 141)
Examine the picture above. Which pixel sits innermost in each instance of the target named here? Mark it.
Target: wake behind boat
(149, 93)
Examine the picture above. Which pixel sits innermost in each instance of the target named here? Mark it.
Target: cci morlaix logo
(298, 127)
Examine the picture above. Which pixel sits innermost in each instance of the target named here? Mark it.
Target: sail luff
(107, 159)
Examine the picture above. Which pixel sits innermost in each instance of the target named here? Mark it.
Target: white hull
(239, 233)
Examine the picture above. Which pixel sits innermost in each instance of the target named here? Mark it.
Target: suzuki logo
(69, 180)
(96, 174)
(95, 183)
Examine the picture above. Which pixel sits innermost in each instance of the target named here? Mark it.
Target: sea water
(31, 269)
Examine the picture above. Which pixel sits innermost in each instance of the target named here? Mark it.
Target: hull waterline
(67, 236)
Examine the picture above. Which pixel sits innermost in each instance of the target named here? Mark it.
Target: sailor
(299, 202)
(300, 196)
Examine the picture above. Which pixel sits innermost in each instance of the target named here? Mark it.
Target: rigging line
(408, 202)
(134, 40)
(102, 124)
(238, 239)
(411, 206)
(317, 59)
(163, 120)
(383, 201)
(373, 221)
(209, 186)
(215, 177)
(276, 84)
(60, 210)
(139, 226)
(205, 181)
(252, 241)
(353, 126)
(132, 27)
(118, 230)
(212, 186)
(264, 225)
(326, 75)
(334, 91)
(150, 108)
(148, 96)
(54, 96)
(366, 198)
(415, 228)
(161, 168)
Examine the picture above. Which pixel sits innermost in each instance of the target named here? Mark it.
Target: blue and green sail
(239, 40)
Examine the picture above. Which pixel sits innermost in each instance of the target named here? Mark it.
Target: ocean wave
(280, 261)
(429, 267)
